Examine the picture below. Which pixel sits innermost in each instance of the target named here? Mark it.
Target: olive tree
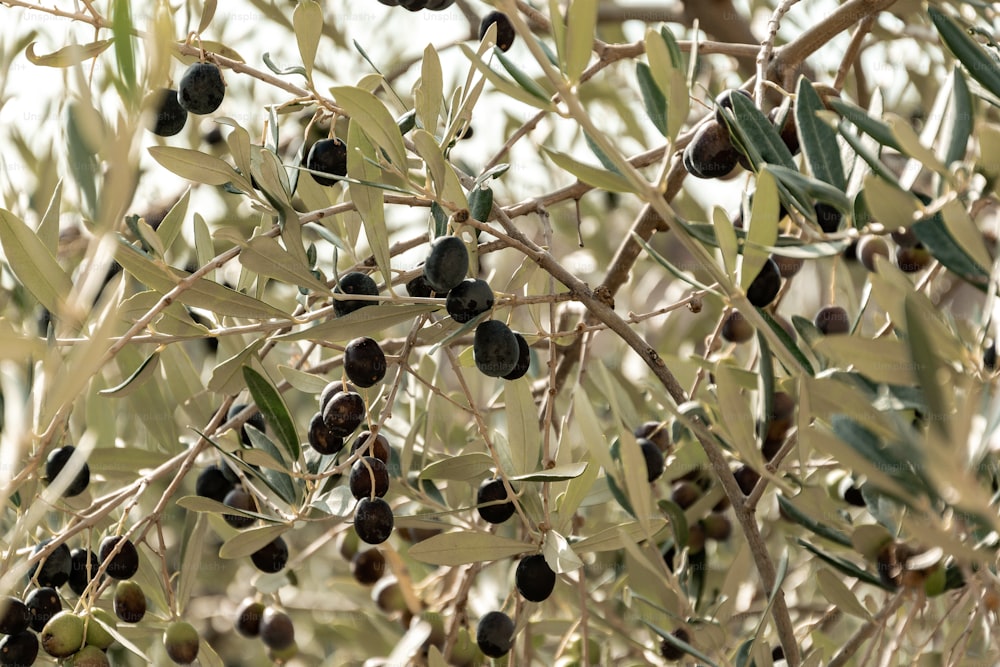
(443, 332)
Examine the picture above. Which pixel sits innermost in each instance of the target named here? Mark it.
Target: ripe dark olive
(419, 287)
(368, 475)
(373, 520)
(54, 570)
(42, 604)
(495, 349)
(354, 282)
(828, 217)
(78, 577)
(736, 329)
(832, 320)
(717, 527)
(125, 563)
(469, 298)
(368, 566)
(764, 288)
(911, 260)
(711, 153)
(14, 615)
(248, 618)
(276, 629)
(130, 602)
(19, 650)
(377, 447)
(446, 264)
(213, 483)
(746, 478)
(181, 641)
(331, 390)
(990, 357)
(256, 420)
(656, 432)
(671, 651)
(330, 157)
(724, 100)
(322, 438)
(271, 557)
(505, 30)
(890, 563)
(168, 116)
(788, 132)
(788, 266)
(201, 89)
(905, 238)
(685, 493)
(523, 359)
(869, 247)
(239, 499)
(853, 496)
(344, 413)
(534, 578)
(495, 634)
(654, 459)
(491, 491)
(57, 460)
(364, 362)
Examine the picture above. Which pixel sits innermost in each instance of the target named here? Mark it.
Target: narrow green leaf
(874, 128)
(559, 555)
(266, 456)
(755, 132)
(460, 468)
(197, 166)
(307, 18)
(122, 29)
(504, 85)
(48, 228)
(192, 553)
(250, 541)
(581, 22)
(600, 154)
(272, 405)
(68, 55)
(678, 522)
(362, 322)
(460, 548)
(427, 96)
(846, 566)
(446, 184)
(938, 240)
(652, 97)
(35, 267)
(593, 176)
(523, 433)
(173, 221)
(929, 366)
(207, 14)
(725, 236)
(227, 375)
(978, 61)
(888, 203)
(82, 145)
(144, 372)
(961, 116)
(882, 360)
(762, 230)
(263, 255)
(555, 474)
(818, 140)
(558, 22)
(203, 294)
(376, 121)
(369, 201)
(610, 539)
(521, 77)
(964, 230)
(817, 527)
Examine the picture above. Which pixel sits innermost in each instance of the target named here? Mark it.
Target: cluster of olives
(273, 626)
(221, 484)
(498, 351)
(200, 91)
(79, 639)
